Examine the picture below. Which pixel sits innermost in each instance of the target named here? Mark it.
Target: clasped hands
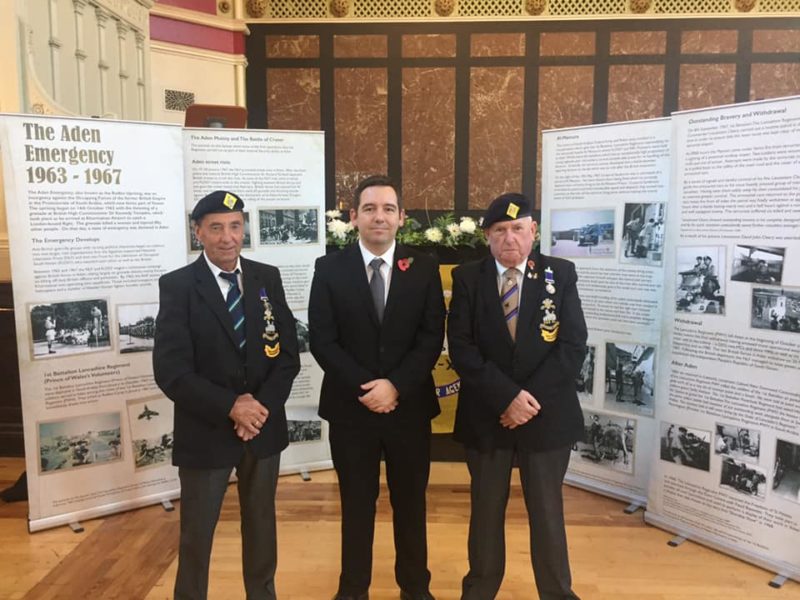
(521, 410)
(380, 397)
(248, 416)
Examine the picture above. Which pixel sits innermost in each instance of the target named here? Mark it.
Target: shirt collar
(501, 269)
(367, 256)
(215, 270)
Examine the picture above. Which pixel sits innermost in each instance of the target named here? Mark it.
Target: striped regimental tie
(235, 307)
(510, 300)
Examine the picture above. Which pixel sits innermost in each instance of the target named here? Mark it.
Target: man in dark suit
(517, 338)
(376, 319)
(226, 353)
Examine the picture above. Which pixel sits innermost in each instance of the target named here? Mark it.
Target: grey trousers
(542, 475)
(202, 491)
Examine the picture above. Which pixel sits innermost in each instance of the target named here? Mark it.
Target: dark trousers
(202, 491)
(356, 453)
(542, 475)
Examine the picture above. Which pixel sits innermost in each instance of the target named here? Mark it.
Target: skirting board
(765, 562)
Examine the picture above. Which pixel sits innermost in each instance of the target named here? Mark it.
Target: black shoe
(18, 491)
(362, 596)
(416, 595)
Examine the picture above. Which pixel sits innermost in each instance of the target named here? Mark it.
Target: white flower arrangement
(467, 225)
(444, 231)
(434, 234)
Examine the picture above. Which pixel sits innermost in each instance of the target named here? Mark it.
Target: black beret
(506, 207)
(217, 202)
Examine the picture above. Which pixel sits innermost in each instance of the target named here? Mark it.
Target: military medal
(549, 325)
(272, 344)
(549, 281)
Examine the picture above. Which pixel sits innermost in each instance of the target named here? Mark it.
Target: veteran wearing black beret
(517, 338)
(226, 354)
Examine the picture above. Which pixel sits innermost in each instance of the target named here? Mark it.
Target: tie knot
(511, 275)
(376, 263)
(232, 278)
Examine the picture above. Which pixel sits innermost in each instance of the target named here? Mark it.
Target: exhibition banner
(97, 212)
(727, 470)
(280, 175)
(605, 190)
(94, 211)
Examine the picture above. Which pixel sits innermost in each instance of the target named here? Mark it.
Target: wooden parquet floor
(132, 556)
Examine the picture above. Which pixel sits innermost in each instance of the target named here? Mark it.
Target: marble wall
(452, 112)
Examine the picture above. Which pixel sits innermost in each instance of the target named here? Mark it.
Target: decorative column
(102, 54)
(80, 54)
(141, 81)
(122, 33)
(55, 48)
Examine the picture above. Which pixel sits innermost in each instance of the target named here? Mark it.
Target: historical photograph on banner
(87, 440)
(582, 233)
(136, 326)
(151, 423)
(609, 441)
(630, 378)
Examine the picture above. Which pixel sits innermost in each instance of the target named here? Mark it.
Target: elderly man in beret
(226, 354)
(517, 338)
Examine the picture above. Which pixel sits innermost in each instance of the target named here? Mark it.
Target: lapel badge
(549, 281)
(272, 344)
(531, 266)
(404, 263)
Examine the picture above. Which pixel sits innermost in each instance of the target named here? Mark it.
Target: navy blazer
(493, 368)
(352, 347)
(197, 363)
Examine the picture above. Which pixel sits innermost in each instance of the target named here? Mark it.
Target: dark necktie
(510, 299)
(377, 287)
(235, 307)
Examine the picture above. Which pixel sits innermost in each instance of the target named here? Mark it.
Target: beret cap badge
(229, 200)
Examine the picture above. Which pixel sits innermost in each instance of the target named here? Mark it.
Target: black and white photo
(304, 431)
(700, 285)
(288, 226)
(786, 471)
(609, 441)
(643, 233)
(685, 446)
(303, 337)
(743, 477)
(68, 328)
(151, 425)
(757, 264)
(630, 378)
(136, 325)
(776, 308)
(582, 233)
(584, 382)
(740, 443)
(81, 441)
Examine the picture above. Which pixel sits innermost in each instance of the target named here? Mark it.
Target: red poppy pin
(404, 263)
(531, 264)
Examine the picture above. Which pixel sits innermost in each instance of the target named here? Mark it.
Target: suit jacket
(197, 364)
(493, 368)
(352, 347)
